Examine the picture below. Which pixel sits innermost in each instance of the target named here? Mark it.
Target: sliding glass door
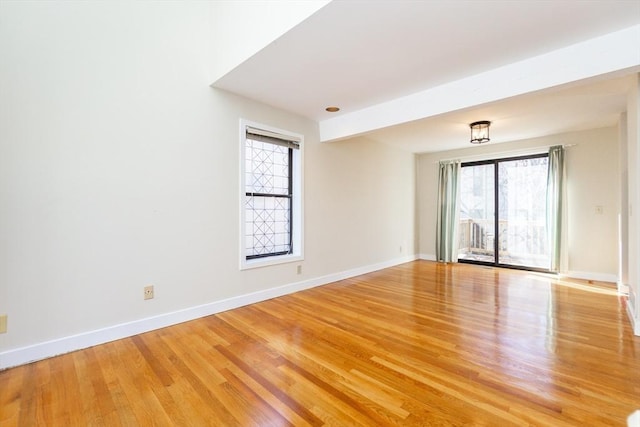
(515, 233)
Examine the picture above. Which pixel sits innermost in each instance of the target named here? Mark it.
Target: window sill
(265, 262)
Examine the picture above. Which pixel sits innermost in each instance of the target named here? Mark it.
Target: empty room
(340, 213)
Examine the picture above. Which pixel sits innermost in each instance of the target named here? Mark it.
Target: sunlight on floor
(581, 285)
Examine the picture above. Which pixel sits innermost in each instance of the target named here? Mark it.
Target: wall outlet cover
(3, 324)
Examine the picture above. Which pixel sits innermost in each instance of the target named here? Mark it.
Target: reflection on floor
(520, 261)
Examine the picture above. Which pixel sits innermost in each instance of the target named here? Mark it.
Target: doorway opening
(515, 234)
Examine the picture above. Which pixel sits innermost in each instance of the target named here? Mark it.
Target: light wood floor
(417, 344)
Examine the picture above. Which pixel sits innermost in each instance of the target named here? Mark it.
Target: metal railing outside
(518, 239)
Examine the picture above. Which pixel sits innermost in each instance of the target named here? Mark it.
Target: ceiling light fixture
(480, 132)
(332, 109)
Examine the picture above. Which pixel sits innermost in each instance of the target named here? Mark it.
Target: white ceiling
(357, 54)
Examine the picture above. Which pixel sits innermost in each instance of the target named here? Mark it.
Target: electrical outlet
(299, 269)
(3, 324)
(148, 292)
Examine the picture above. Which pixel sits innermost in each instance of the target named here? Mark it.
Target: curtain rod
(488, 156)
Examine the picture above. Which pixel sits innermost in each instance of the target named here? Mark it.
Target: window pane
(268, 227)
(267, 168)
(477, 231)
(522, 212)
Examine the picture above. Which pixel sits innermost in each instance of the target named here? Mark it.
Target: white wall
(623, 161)
(633, 135)
(592, 180)
(119, 168)
(358, 188)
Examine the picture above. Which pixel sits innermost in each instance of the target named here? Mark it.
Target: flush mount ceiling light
(480, 132)
(332, 109)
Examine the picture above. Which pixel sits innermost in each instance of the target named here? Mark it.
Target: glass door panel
(522, 186)
(477, 213)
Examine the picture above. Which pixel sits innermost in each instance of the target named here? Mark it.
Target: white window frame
(296, 201)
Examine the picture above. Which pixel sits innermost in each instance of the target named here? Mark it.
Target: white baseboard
(586, 275)
(623, 289)
(32, 353)
(427, 257)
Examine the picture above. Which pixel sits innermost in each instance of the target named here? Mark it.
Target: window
(271, 223)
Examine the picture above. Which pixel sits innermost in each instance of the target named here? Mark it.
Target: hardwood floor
(417, 344)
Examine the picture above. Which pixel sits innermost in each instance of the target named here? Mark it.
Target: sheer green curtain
(555, 193)
(447, 223)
